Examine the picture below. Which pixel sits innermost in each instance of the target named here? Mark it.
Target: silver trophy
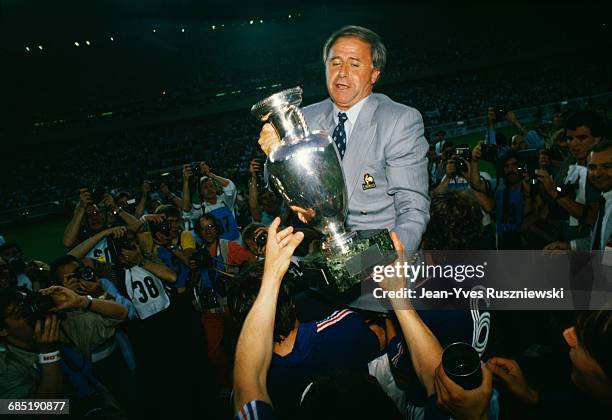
(306, 170)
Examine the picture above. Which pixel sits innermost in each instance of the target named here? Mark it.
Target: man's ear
(374, 76)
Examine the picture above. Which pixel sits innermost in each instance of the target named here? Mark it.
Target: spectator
(218, 197)
(222, 259)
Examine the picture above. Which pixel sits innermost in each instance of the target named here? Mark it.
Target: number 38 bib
(146, 292)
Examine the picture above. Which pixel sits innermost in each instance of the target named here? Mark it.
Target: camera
(500, 112)
(528, 163)
(208, 298)
(34, 306)
(260, 240)
(555, 153)
(163, 228)
(462, 155)
(97, 193)
(568, 189)
(85, 273)
(202, 258)
(196, 175)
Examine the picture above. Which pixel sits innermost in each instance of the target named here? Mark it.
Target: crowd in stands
(173, 294)
(122, 159)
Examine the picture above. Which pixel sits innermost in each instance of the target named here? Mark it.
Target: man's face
(93, 218)
(510, 171)
(518, 142)
(349, 73)
(208, 230)
(587, 375)
(17, 326)
(600, 170)
(71, 281)
(207, 189)
(580, 141)
(174, 225)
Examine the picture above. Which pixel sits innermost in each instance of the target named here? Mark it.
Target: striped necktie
(339, 135)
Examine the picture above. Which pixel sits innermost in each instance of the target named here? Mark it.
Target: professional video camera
(488, 152)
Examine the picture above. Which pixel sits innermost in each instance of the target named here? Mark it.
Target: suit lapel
(325, 120)
(359, 143)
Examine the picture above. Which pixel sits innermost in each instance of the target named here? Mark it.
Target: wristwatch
(89, 303)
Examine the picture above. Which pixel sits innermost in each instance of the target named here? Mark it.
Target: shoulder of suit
(390, 107)
(316, 108)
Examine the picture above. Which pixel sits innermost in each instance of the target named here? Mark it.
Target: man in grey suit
(381, 142)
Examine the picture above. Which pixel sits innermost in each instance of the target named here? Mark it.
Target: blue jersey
(340, 341)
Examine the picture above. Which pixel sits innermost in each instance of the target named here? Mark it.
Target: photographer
(264, 206)
(86, 220)
(570, 191)
(511, 199)
(31, 274)
(217, 261)
(29, 352)
(171, 244)
(217, 196)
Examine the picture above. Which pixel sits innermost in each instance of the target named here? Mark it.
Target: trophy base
(367, 249)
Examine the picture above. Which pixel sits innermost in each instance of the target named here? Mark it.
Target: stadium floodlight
(112, 39)
(260, 21)
(213, 27)
(154, 30)
(183, 30)
(87, 43)
(28, 49)
(40, 47)
(251, 22)
(76, 44)
(289, 16)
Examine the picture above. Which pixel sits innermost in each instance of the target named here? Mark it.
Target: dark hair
(60, 262)
(243, 290)
(589, 119)
(377, 48)
(347, 395)
(122, 194)
(209, 216)
(168, 210)
(455, 223)
(594, 332)
(247, 232)
(601, 147)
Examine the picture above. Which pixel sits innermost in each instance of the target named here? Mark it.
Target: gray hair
(377, 48)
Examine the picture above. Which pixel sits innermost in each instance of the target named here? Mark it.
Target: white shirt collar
(608, 196)
(352, 113)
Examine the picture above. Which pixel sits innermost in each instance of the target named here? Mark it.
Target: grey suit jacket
(387, 144)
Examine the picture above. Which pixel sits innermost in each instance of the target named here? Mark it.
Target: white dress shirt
(352, 114)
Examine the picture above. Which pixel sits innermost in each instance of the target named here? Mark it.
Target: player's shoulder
(334, 320)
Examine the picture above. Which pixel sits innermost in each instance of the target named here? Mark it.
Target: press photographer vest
(146, 291)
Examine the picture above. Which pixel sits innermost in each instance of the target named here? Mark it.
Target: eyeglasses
(209, 226)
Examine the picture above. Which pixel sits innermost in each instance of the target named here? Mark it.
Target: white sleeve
(229, 195)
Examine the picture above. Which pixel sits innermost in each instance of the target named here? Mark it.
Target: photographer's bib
(101, 252)
(146, 291)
